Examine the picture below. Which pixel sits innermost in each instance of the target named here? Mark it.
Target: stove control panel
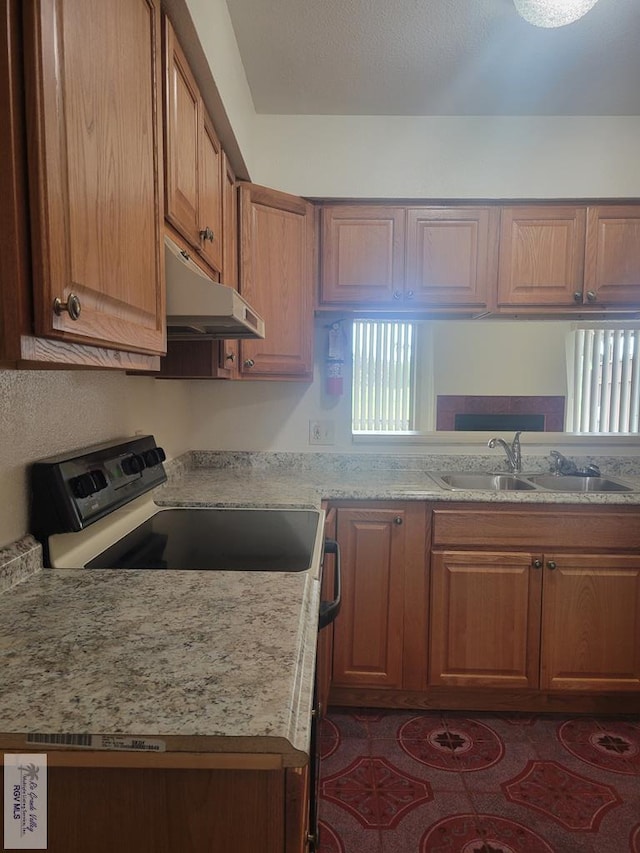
(72, 490)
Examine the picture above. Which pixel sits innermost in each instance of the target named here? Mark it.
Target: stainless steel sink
(570, 483)
(483, 482)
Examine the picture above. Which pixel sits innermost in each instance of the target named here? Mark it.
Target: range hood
(200, 309)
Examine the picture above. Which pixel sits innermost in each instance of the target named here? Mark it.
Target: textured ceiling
(436, 57)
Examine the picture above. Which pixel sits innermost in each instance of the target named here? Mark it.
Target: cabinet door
(94, 148)
(451, 256)
(362, 255)
(541, 256)
(485, 619)
(591, 623)
(612, 271)
(277, 263)
(210, 194)
(182, 124)
(380, 549)
(230, 252)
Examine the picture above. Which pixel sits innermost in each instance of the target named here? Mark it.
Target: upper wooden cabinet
(362, 254)
(560, 257)
(193, 163)
(94, 149)
(541, 256)
(277, 272)
(612, 258)
(408, 258)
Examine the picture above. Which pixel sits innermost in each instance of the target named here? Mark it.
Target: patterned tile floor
(450, 782)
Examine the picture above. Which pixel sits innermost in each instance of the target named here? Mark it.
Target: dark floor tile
(481, 776)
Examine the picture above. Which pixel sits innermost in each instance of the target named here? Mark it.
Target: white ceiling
(436, 57)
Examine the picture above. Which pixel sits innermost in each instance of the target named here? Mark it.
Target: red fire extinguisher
(335, 360)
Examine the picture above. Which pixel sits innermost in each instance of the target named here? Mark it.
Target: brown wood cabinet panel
(591, 622)
(95, 145)
(163, 811)
(230, 253)
(380, 636)
(541, 256)
(451, 256)
(507, 526)
(362, 254)
(210, 193)
(277, 264)
(368, 630)
(297, 826)
(612, 271)
(182, 133)
(485, 620)
(15, 278)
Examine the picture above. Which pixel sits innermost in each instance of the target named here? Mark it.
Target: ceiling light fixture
(553, 13)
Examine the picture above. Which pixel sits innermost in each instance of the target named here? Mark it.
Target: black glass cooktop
(269, 540)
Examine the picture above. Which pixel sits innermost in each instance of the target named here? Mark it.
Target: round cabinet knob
(410, 294)
(71, 306)
(577, 296)
(154, 457)
(230, 356)
(397, 519)
(85, 485)
(551, 565)
(591, 296)
(249, 362)
(397, 294)
(133, 464)
(537, 564)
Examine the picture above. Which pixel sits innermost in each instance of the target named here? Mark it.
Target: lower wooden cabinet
(485, 620)
(556, 613)
(380, 633)
(489, 607)
(590, 622)
(161, 810)
(548, 621)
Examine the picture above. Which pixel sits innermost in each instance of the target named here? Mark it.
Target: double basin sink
(530, 482)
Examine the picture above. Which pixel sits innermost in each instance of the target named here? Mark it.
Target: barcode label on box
(117, 742)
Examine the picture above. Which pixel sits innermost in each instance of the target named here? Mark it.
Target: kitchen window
(384, 386)
(604, 379)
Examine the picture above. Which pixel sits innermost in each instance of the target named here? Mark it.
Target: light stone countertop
(205, 661)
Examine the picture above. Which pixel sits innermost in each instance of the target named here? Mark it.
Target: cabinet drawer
(564, 527)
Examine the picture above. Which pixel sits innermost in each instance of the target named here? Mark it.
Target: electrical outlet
(321, 432)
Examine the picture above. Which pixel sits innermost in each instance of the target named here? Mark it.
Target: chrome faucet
(513, 451)
(561, 465)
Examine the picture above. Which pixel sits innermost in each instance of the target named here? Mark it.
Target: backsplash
(344, 462)
(19, 561)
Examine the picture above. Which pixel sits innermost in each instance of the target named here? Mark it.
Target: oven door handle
(330, 609)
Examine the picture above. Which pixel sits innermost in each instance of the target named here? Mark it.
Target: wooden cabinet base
(460, 699)
(164, 811)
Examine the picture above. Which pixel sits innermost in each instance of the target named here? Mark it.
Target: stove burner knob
(133, 464)
(99, 480)
(88, 484)
(154, 456)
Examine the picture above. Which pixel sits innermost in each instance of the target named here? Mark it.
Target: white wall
(217, 37)
(448, 156)
(481, 358)
(47, 412)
